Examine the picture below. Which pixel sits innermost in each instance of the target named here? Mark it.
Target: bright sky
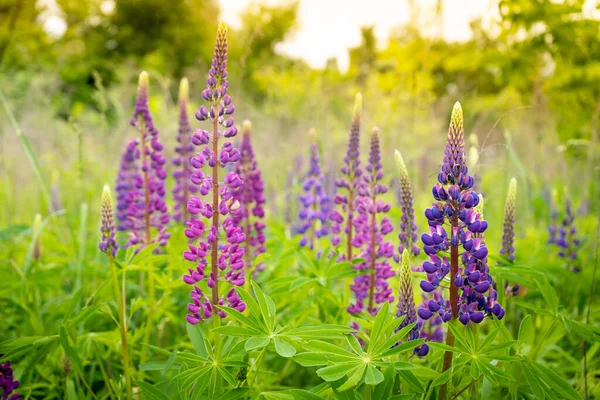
(329, 27)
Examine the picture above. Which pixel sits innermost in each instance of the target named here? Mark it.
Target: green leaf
(354, 344)
(338, 371)
(373, 376)
(283, 348)
(300, 394)
(411, 380)
(310, 359)
(195, 334)
(151, 392)
(354, 379)
(267, 307)
(403, 347)
(328, 348)
(71, 353)
(557, 382)
(232, 330)
(443, 378)
(384, 390)
(381, 319)
(256, 342)
(302, 281)
(395, 338)
(533, 382)
(325, 331)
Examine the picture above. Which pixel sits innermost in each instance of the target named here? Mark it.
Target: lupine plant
(406, 303)
(252, 201)
(564, 236)
(408, 228)
(371, 288)
(141, 181)
(181, 162)
(314, 201)
(453, 226)
(229, 256)
(508, 232)
(343, 216)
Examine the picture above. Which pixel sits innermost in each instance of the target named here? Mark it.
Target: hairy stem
(453, 303)
(120, 298)
(215, 220)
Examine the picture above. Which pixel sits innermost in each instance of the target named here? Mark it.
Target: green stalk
(120, 298)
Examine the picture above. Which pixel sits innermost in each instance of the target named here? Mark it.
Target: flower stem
(120, 298)
(453, 303)
(215, 207)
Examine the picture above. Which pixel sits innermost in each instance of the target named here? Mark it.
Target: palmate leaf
(151, 392)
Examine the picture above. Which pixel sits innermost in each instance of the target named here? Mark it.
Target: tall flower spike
(141, 207)
(406, 303)
(508, 233)
(314, 202)
(108, 244)
(342, 217)
(205, 229)
(472, 293)
(184, 149)
(252, 200)
(408, 228)
(8, 384)
(566, 238)
(372, 285)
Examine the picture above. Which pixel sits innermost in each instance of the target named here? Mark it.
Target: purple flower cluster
(251, 198)
(454, 223)
(565, 237)
(8, 384)
(372, 286)
(184, 149)
(351, 181)
(406, 304)
(230, 255)
(141, 181)
(314, 201)
(408, 227)
(108, 244)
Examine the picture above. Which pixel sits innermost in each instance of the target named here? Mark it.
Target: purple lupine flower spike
(408, 228)
(314, 202)
(205, 229)
(108, 244)
(141, 206)
(342, 218)
(184, 149)
(372, 287)
(8, 384)
(406, 303)
(508, 233)
(456, 226)
(566, 238)
(252, 200)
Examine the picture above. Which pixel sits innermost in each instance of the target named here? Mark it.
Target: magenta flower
(372, 286)
(141, 208)
(205, 228)
(342, 217)
(251, 198)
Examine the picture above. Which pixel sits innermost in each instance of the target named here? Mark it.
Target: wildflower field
(320, 237)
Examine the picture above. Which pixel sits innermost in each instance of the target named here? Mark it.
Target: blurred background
(527, 73)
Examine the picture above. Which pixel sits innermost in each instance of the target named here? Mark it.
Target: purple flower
(342, 218)
(314, 201)
(8, 384)
(508, 233)
(108, 243)
(372, 287)
(205, 229)
(408, 227)
(181, 162)
(251, 198)
(565, 238)
(141, 206)
(456, 226)
(406, 304)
